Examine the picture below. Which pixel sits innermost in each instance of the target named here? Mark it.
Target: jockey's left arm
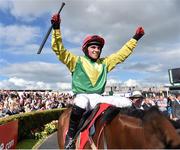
(64, 55)
(122, 54)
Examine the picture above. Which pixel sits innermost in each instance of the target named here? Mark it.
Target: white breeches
(89, 101)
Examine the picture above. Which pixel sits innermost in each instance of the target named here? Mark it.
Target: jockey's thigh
(117, 101)
(87, 101)
(94, 99)
(81, 100)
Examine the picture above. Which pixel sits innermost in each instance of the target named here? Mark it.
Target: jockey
(89, 73)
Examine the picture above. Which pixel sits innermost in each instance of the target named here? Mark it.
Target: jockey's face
(94, 51)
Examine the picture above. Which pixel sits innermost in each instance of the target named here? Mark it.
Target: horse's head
(155, 122)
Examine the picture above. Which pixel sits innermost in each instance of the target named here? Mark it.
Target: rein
(93, 145)
(102, 129)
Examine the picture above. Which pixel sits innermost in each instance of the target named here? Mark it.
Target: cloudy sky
(23, 24)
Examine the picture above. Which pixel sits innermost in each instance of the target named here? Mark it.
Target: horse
(126, 128)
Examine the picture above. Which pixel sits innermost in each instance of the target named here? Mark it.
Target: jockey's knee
(81, 101)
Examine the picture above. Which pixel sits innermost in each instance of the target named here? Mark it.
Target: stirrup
(71, 144)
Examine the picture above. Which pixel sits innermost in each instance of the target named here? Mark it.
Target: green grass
(27, 144)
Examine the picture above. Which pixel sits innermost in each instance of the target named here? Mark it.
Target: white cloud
(17, 82)
(21, 84)
(111, 82)
(131, 83)
(30, 10)
(37, 71)
(18, 35)
(155, 68)
(116, 21)
(28, 49)
(92, 9)
(4, 4)
(72, 36)
(144, 67)
(63, 86)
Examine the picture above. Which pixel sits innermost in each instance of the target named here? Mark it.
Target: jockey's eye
(95, 47)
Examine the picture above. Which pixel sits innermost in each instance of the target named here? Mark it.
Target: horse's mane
(152, 113)
(130, 111)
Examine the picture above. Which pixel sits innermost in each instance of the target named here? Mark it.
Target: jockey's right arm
(65, 56)
(122, 54)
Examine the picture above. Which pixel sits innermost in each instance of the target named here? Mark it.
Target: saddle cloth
(85, 130)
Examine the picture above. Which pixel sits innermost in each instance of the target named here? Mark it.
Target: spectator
(2, 113)
(162, 105)
(18, 102)
(147, 103)
(170, 101)
(137, 99)
(13, 109)
(176, 107)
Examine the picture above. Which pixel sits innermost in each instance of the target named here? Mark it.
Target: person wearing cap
(89, 72)
(137, 99)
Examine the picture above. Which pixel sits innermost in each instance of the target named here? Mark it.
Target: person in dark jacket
(176, 107)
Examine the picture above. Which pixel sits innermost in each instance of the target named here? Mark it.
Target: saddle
(86, 127)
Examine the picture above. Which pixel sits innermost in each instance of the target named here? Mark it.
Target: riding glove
(139, 33)
(55, 21)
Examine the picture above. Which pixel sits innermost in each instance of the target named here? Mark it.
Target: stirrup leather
(70, 144)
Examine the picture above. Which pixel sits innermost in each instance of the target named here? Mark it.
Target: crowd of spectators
(169, 105)
(14, 102)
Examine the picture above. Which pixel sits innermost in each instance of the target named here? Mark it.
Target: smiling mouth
(95, 52)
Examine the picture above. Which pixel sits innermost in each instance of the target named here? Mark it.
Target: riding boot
(75, 117)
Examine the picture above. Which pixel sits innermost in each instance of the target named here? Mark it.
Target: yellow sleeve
(65, 56)
(120, 56)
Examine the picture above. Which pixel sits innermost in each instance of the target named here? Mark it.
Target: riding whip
(49, 31)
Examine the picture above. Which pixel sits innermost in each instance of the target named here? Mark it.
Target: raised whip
(49, 31)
